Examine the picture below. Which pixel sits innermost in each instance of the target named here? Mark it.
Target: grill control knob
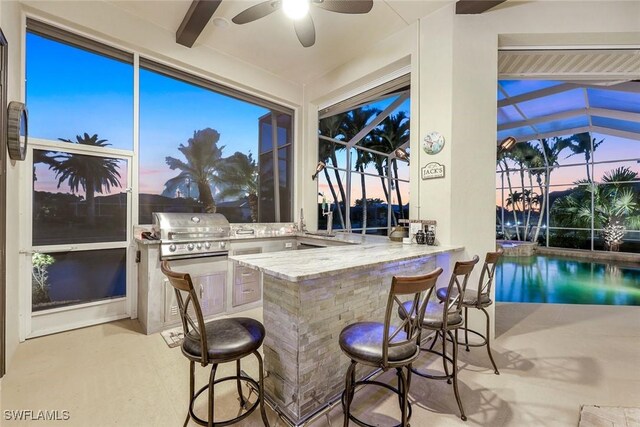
(207, 245)
(190, 246)
(223, 245)
(172, 247)
(199, 246)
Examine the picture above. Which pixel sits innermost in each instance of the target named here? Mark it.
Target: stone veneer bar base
(303, 320)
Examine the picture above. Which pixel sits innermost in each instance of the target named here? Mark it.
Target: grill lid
(189, 226)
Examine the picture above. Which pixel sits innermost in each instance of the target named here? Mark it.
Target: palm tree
(615, 201)
(512, 201)
(357, 120)
(394, 134)
(203, 157)
(550, 152)
(502, 158)
(93, 174)
(330, 127)
(580, 143)
(237, 176)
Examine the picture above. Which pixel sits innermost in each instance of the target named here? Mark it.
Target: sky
(71, 91)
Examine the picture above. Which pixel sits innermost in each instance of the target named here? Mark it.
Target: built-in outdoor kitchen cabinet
(210, 289)
(247, 282)
(247, 286)
(222, 285)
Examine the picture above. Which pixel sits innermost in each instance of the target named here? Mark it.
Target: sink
(319, 234)
(308, 246)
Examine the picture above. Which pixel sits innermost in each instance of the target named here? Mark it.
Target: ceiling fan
(298, 10)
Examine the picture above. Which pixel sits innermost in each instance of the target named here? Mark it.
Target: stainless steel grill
(186, 235)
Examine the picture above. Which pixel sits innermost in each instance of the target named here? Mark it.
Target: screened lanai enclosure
(364, 181)
(573, 178)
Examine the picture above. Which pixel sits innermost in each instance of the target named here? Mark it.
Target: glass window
(71, 91)
(332, 153)
(80, 96)
(588, 180)
(379, 181)
(201, 150)
(331, 186)
(78, 198)
(68, 278)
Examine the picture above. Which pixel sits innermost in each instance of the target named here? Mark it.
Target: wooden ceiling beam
(473, 7)
(197, 17)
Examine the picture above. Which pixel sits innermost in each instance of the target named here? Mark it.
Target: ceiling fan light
(295, 9)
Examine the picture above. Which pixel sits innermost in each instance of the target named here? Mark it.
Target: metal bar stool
(479, 299)
(215, 342)
(385, 346)
(443, 319)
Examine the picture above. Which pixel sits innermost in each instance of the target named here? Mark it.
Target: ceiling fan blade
(257, 11)
(305, 30)
(345, 6)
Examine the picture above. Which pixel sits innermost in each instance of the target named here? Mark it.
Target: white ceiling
(271, 42)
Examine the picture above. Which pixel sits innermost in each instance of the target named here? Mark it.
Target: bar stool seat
(227, 339)
(363, 341)
(470, 298)
(433, 315)
(445, 319)
(479, 299)
(387, 346)
(213, 343)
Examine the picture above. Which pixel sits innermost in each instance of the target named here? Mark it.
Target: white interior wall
(10, 21)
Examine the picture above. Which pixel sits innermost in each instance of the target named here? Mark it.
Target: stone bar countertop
(364, 251)
(310, 295)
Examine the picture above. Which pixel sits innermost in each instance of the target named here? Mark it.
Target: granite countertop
(307, 264)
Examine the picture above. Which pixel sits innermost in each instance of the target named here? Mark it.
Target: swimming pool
(552, 279)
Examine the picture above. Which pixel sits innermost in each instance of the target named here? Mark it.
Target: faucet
(329, 214)
(301, 226)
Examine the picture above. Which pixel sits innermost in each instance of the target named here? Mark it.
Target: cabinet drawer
(246, 293)
(246, 275)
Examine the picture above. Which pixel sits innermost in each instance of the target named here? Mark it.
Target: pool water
(566, 281)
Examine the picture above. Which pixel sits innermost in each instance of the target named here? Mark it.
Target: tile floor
(552, 359)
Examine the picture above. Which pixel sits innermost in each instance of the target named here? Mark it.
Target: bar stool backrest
(456, 288)
(488, 271)
(193, 328)
(418, 286)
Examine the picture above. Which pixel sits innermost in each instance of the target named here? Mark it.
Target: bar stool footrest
(434, 377)
(251, 382)
(471, 331)
(379, 384)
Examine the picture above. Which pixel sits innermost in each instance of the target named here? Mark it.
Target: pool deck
(627, 257)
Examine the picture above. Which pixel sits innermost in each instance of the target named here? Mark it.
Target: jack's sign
(432, 170)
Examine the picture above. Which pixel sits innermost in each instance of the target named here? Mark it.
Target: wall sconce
(319, 168)
(401, 154)
(507, 144)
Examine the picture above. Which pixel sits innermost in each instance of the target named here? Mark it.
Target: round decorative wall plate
(433, 143)
(17, 130)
